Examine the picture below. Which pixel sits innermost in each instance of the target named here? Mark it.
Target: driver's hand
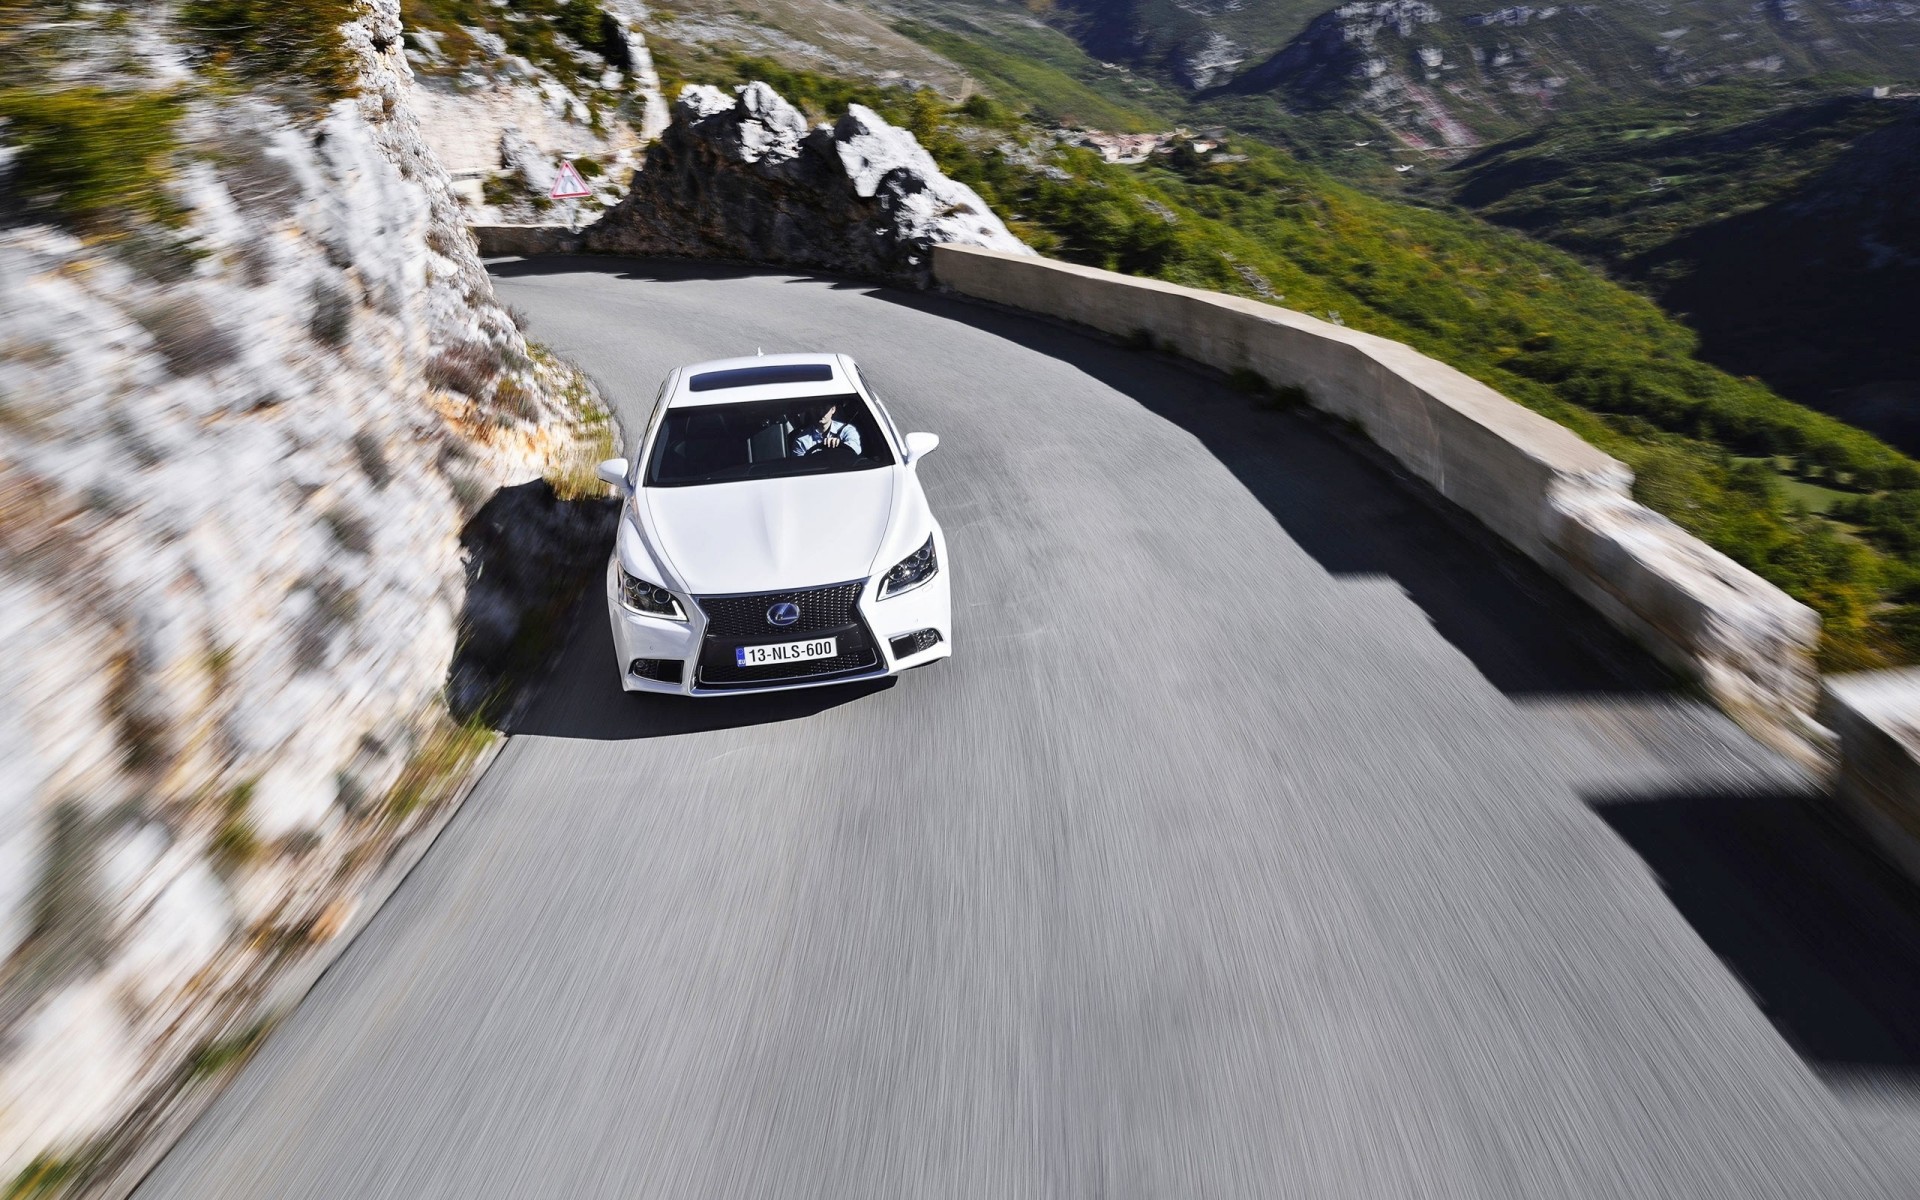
(832, 442)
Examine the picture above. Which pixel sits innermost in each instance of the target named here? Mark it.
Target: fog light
(913, 643)
(660, 670)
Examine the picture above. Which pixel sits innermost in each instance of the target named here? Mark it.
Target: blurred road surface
(1268, 836)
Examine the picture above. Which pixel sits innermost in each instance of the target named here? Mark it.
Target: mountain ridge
(1445, 74)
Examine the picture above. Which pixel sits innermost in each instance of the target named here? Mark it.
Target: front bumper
(669, 653)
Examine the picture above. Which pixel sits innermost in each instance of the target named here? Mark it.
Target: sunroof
(709, 381)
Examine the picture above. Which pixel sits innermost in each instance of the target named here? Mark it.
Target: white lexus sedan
(774, 534)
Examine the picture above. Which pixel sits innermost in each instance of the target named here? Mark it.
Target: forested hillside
(1781, 221)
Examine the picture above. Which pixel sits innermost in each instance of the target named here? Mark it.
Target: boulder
(744, 177)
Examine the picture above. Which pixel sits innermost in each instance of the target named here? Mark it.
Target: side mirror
(613, 473)
(919, 445)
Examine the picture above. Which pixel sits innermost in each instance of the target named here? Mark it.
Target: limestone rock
(520, 156)
(235, 465)
(743, 177)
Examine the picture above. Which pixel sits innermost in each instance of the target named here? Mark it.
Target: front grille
(742, 621)
(745, 617)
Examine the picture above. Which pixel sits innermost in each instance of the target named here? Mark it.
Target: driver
(825, 434)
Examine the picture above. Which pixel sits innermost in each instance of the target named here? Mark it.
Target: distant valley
(1782, 223)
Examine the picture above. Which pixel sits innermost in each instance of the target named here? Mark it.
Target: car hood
(773, 534)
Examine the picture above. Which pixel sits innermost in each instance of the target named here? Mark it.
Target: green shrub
(50, 1176)
(217, 1054)
(92, 157)
(501, 190)
(274, 42)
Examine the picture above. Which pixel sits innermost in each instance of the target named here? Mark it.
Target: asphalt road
(1268, 835)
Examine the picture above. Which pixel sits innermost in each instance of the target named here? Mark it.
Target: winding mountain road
(1269, 835)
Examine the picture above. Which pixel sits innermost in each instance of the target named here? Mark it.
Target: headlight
(912, 571)
(649, 598)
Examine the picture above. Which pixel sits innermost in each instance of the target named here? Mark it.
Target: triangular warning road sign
(567, 184)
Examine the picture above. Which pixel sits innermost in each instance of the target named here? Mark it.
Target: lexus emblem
(784, 613)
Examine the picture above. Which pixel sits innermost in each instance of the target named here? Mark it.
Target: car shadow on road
(579, 694)
(1345, 503)
(1823, 932)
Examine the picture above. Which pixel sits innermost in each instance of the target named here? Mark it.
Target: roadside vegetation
(90, 157)
(573, 39)
(1826, 511)
(293, 50)
(89, 149)
(96, 136)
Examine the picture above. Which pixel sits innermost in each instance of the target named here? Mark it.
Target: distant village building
(1123, 147)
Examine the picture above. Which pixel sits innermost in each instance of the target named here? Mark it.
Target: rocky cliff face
(1344, 46)
(500, 122)
(235, 463)
(1376, 57)
(743, 177)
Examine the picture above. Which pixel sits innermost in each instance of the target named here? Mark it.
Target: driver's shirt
(805, 441)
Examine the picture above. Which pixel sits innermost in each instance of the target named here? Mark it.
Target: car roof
(761, 377)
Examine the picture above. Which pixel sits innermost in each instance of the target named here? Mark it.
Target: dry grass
(219, 1054)
(469, 368)
(574, 479)
(438, 766)
(372, 458)
(332, 319)
(49, 1175)
(515, 399)
(185, 334)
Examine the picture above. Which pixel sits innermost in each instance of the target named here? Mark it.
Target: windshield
(766, 439)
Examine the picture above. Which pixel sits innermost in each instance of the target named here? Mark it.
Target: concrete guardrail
(1875, 719)
(1560, 501)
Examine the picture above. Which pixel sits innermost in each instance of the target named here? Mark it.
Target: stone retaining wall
(1560, 501)
(524, 241)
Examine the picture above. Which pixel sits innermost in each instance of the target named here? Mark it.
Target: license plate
(786, 652)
